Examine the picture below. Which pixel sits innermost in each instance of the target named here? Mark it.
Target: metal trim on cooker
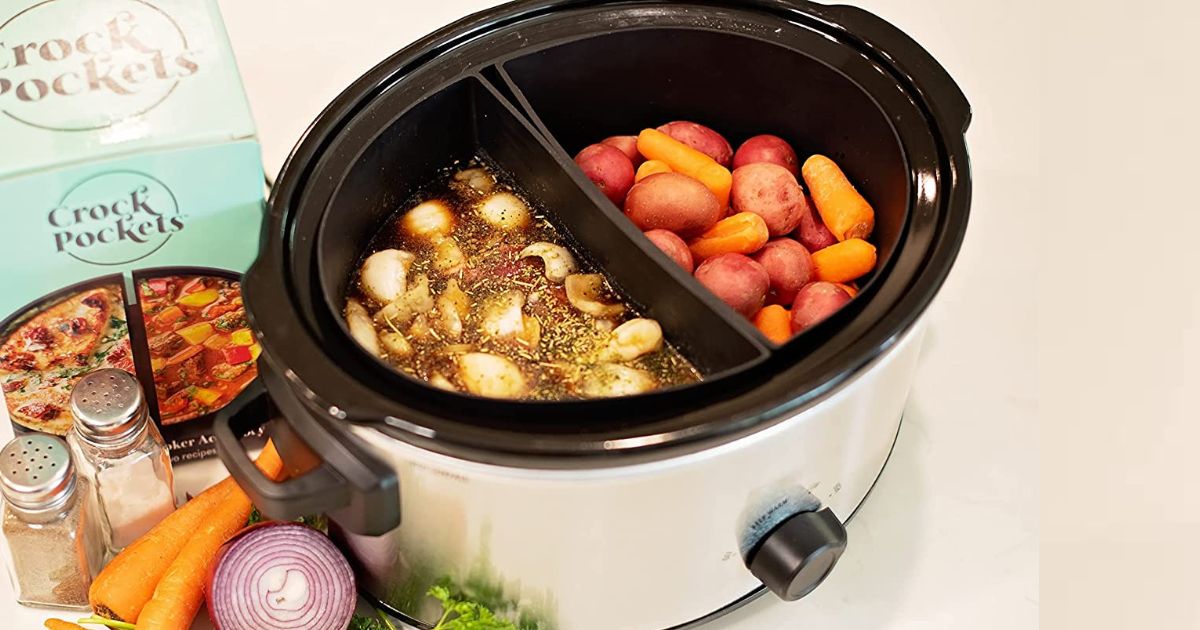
(771, 402)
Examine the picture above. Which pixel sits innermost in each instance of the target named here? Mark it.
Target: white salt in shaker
(118, 448)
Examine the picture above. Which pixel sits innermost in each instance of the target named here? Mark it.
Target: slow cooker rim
(939, 257)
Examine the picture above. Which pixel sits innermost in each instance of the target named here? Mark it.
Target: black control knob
(796, 556)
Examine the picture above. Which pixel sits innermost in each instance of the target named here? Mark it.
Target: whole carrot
(774, 322)
(128, 582)
(651, 167)
(180, 592)
(656, 145)
(843, 210)
(844, 262)
(742, 233)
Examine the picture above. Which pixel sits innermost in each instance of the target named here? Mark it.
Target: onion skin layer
(312, 562)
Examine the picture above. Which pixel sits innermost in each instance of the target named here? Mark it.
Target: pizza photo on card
(48, 346)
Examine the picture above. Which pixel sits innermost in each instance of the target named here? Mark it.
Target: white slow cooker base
(691, 625)
(640, 547)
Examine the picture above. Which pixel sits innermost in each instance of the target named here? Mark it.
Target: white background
(949, 538)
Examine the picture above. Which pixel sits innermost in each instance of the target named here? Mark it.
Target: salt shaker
(53, 536)
(120, 451)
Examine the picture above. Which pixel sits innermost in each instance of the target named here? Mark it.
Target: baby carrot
(180, 592)
(656, 145)
(651, 167)
(128, 582)
(742, 233)
(844, 262)
(775, 322)
(844, 211)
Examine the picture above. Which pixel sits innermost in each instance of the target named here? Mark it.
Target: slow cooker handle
(344, 481)
(932, 79)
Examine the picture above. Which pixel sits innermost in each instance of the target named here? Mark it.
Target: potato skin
(609, 169)
(811, 232)
(674, 247)
(702, 139)
(674, 202)
(815, 302)
(771, 192)
(767, 149)
(737, 280)
(628, 146)
(789, 266)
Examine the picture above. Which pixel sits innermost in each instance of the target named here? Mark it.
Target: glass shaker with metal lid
(118, 448)
(53, 537)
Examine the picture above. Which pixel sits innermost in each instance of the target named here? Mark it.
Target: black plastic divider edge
(750, 335)
(493, 76)
(519, 96)
(617, 215)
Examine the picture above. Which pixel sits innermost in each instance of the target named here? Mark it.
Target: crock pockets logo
(81, 65)
(114, 218)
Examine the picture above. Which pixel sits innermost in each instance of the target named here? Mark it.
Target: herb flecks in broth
(473, 290)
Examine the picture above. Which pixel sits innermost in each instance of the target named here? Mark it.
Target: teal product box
(131, 200)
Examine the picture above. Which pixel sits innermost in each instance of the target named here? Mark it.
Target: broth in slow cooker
(471, 289)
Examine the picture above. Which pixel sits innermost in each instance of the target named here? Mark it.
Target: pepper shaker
(52, 535)
(120, 451)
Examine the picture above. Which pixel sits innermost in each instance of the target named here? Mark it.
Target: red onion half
(280, 576)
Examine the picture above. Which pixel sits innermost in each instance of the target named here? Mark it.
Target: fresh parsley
(457, 614)
(361, 622)
(318, 522)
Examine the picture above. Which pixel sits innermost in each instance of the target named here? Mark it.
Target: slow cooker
(646, 512)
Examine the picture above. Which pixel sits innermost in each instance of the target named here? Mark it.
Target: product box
(131, 198)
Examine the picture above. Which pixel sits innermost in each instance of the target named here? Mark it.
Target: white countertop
(949, 538)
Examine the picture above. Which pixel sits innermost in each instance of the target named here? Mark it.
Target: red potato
(767, 149)
(628, 146)
(674, 202)
(674, 247)
(702, 139)
(815, 302)
(790, 267)
(772, 193)
(609, 169)
(812, 232)
(737, 280)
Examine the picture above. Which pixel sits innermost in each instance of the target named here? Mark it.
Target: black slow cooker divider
(469, 118)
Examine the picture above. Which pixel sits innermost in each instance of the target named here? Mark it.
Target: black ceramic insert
(622, 82)
(466, 120)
